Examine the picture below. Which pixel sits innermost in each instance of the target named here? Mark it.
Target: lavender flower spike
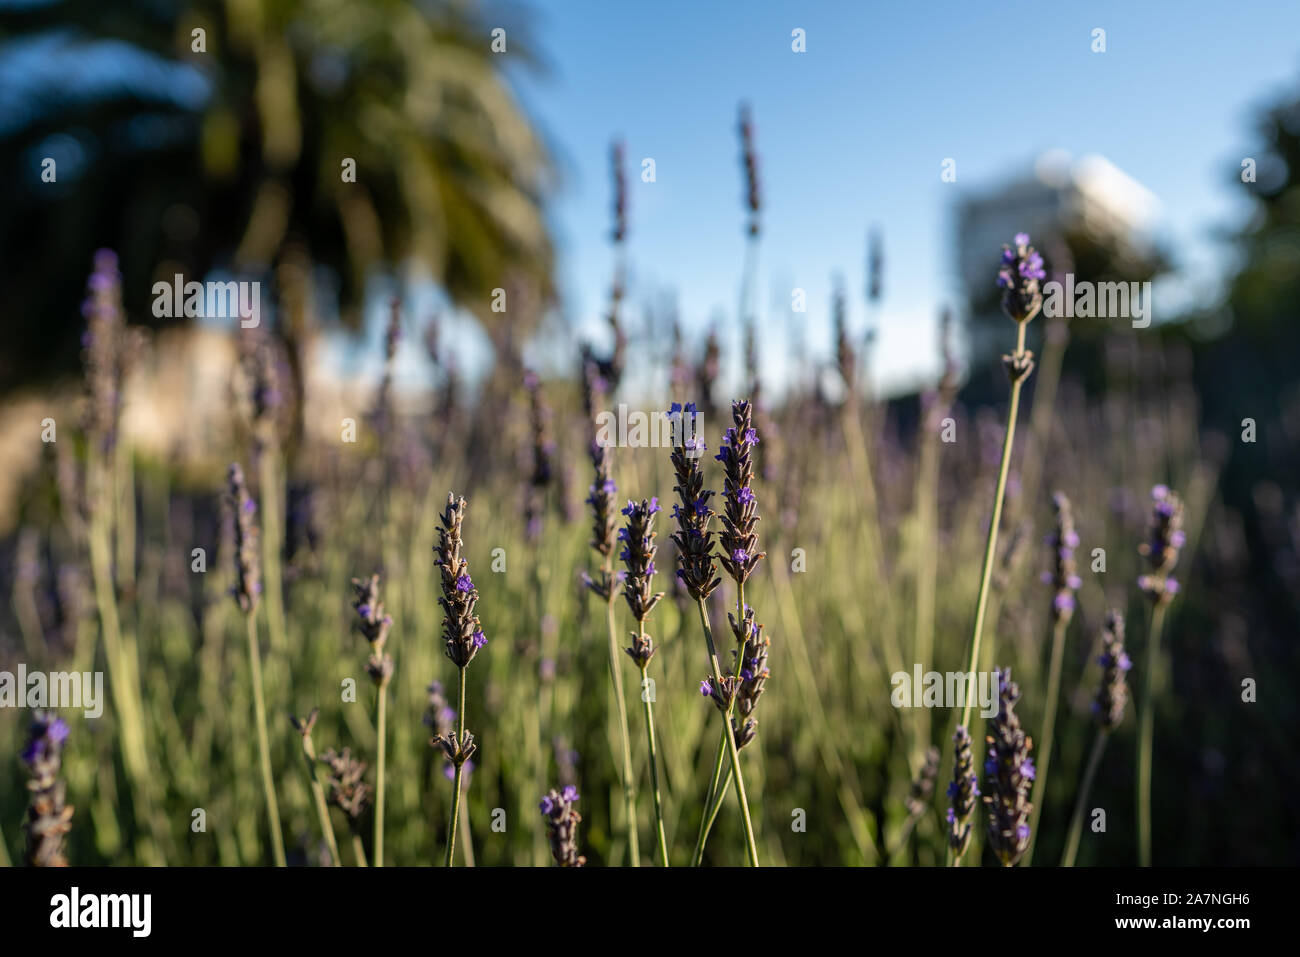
(348, 790)
(461, 626)
(751, 671)
(1112, 694)
(1063, 577)
(248, 584)
(562, 820)
(739, 537)
(374, 625)
(1011, 773)
(637, 555)
(603, 523)
(1022, 268)
(1161, 549)
(962, 791)
(49, 818)
(693, 538)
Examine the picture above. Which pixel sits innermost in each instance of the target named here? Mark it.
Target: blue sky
(853, 132)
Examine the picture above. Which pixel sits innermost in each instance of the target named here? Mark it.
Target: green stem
(712, 802)
(263, 741)
(318, 795)
(732, 753)
(381, 722)
(358, 850)
(620, 703)
(1049, 728)
(1154, 683)
(121, 673)
(272, 546)
(647, 700)
(460, 768)
(991, 546)
(1076, 822)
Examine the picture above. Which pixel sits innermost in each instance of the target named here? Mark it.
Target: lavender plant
(1065, 582)
(463, 638)
(963, 789)
(304, 728)
(264, 396)
(107, 352)
(1165, 539)
(604, 585)
(918, 799)
(562, 820)
(1022, 268)
(638, 555)
(248, 588)
(374, 625)
(1011, 773)
(440, 718)
(1108, 712)
(739, 557)
(349, 792)
(49, 816)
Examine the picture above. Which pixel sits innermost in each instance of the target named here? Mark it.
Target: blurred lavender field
(265, 698)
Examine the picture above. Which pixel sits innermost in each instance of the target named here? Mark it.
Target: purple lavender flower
(461, 631)
(562, 825)
(1022, 268)
(1112, 693)
(962, 791)
(1063, 541)
(108, 352)
(49, 818)
(739, 536)
(693, 538)
(1011, 773)
(374, 626)
(750, 667)
(637, 587)
(603, 522)
(1164, 540)
(248, 585)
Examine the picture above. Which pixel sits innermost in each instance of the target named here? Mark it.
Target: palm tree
(227, 148)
